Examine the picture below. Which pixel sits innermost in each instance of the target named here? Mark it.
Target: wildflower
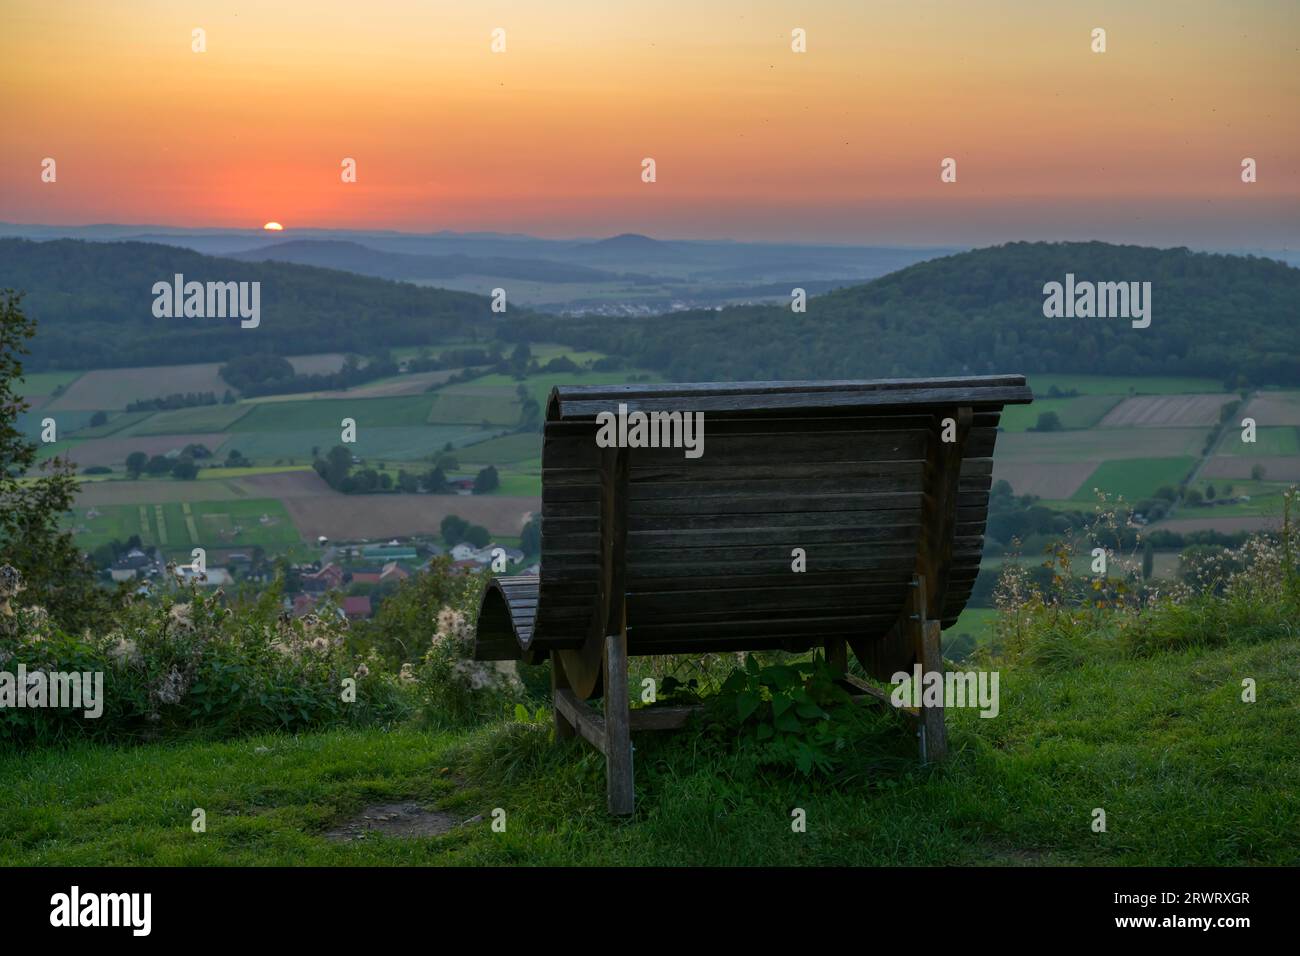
(180, 616)
(172, 688)
(124, 651)
(362, 671)
(407, 674)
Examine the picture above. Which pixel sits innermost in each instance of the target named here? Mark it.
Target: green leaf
(521, 713)
(787, 723)
(780, 704)
(746, 703)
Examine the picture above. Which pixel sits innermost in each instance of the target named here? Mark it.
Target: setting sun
(273, 227)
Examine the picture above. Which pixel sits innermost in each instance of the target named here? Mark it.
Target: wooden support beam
(872, 693)
(837, 654)
(589, 724)
(564, 728)
(619, 788)
(934, 746)
(663, 718)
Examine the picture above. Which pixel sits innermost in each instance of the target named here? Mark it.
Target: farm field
(474, 403)
(202, 418)
(353, 517)
(1084, 411)
(115, 388)
(508, 449)
(539, 386)
(112, 451)
(1278, 467)
(328, 413)
(387, 444)
(1275, 408)
(1121, 385)
(117, 422)
(181, 525)
(1096, 445)
(1270, 441)
(1163, 411)
(1134, 478)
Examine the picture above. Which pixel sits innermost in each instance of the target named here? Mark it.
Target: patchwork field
(115, 388)
(1097, 445)
(1082, 412)
(382, 516)
(113, 451)
(179, 526)
(203, 418)
(474, 404)
(1160, 411)
(1275, 408)
(1277, 468)
(329, 413)
(507, 449)
(395, 444)
(1269, 442)
(1046, 480)
(1121, 385)
(1134, 478)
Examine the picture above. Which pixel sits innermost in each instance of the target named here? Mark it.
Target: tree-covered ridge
(1224, 316)
(94, 304)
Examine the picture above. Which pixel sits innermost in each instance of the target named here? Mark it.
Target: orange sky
(751, 140)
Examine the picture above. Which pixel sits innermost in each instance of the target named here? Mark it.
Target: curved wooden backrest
(855, 474)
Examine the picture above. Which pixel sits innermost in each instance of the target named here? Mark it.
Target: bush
(455, 689)
(187, 663)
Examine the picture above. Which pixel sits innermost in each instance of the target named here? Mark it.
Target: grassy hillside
(1186, 772)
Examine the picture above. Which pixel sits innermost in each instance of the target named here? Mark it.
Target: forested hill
(94, 305)
(1228, 317)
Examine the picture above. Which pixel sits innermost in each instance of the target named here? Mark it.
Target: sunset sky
(751, 140)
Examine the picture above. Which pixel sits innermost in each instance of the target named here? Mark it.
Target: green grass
(539, 386)
(186, 421)
(215, 521)
(405, 410)
(1134, 478)
(508, 449)
(473, 404)
(44, 383)
(1275, 441)
(117, 422)
(1121, 385)
(520, 484)
(398, 444)
(1082, 412)
(1187, 773)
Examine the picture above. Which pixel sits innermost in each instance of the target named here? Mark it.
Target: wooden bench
(883, 484)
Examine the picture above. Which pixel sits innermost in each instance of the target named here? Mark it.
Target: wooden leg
(564, 729)
(837, 654)
(618, 737)
(934, 736)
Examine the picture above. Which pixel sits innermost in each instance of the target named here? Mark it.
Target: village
(350, 578)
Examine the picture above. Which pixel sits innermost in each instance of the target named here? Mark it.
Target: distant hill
(94, 305)
(630, 245)
(1227, 317)
(355, 257)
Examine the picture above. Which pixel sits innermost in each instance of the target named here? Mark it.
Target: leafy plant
(795, 714)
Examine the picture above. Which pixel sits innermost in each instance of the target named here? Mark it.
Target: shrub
(188, 662)
(455, 689)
